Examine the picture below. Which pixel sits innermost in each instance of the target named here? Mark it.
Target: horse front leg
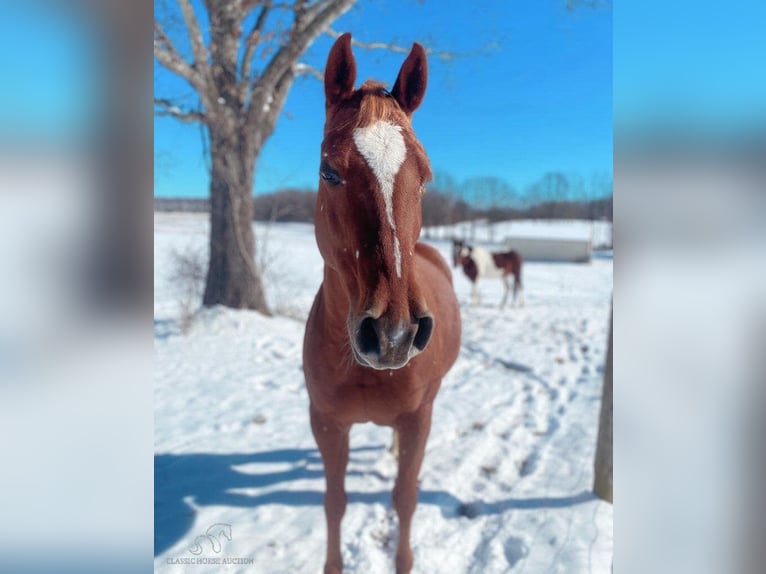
(332, 440)
(517, 288)
(413, 432)
(475, 297)
(507, 289)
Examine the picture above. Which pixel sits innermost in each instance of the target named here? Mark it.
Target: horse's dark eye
(329, 174)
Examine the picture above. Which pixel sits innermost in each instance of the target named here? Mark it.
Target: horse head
(460, 250)
(373, 173)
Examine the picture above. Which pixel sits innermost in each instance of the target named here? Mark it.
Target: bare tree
(445, 188)
(491, 197)
(549, 193)
(239, 106)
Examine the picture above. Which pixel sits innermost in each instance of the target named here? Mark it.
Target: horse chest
(378, 396)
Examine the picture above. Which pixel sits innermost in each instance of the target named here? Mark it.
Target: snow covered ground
(598, 232)
(506, 481)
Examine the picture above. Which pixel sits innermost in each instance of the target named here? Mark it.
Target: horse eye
(329, 174)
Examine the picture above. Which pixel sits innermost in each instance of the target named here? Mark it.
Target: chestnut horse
(478, 263)
(385, 325)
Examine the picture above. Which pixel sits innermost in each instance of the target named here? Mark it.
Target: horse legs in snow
(332, 440)
(475, 296)
(413, 429)
(518, 289)
(507, 289)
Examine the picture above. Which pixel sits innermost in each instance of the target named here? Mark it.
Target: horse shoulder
(483, 259)
(443, 349)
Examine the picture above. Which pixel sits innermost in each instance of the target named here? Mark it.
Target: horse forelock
(371, 104)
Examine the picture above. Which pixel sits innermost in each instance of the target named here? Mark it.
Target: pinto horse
(478, 263)
(385, 325)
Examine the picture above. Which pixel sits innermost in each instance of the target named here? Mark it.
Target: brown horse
(385, 325)
(478, 263)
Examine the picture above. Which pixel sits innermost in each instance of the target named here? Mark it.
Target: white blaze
(397, 257)
(382, 147)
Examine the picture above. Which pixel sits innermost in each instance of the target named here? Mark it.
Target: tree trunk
(240, 108)
(603, 465)
(233, 279)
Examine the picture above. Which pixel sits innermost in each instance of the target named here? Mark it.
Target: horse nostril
(366, 338)
(425, 327)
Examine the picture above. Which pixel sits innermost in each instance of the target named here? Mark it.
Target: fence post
(602, 481)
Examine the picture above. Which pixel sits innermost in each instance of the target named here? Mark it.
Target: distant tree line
(286, 205)
(554, 196)
(186, 204)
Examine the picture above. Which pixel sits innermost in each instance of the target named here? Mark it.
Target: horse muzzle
(382, 343)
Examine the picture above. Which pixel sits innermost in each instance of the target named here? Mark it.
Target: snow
(599, 232)
(505, 485)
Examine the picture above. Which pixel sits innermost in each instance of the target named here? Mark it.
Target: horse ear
(340, 71)
(410, 86)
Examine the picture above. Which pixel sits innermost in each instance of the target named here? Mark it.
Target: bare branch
(164, 107)
(167, 55)
(250, 4)
(310, 12)
(306, 13)
(199, 50)
(331, 9)
(282, 64)
(303, 69)
(251, 42)
(393, 47)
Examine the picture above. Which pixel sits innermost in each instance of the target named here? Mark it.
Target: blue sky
(51, 79)
(690, 64)
(536, 97)
(542, 100)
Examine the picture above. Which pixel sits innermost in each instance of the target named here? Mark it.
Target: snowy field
(598, 232)
(506, 481)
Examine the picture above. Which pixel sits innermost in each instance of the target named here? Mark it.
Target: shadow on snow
(208, 480)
